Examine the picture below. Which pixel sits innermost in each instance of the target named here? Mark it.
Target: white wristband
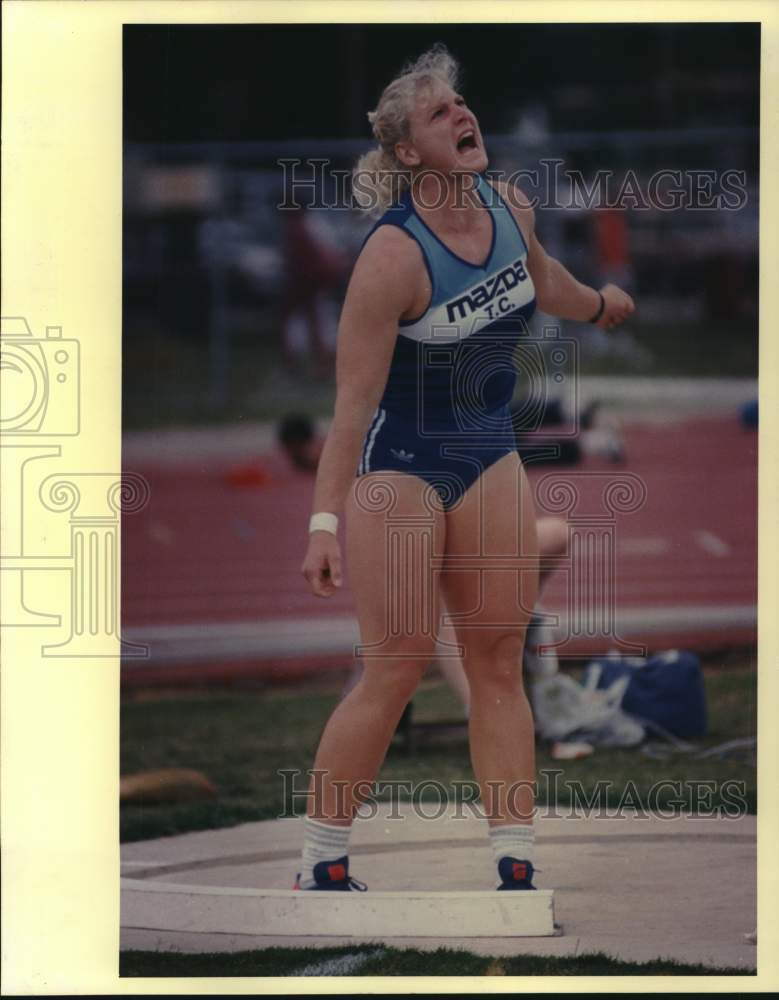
(323, 521)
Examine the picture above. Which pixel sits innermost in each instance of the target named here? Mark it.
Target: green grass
(166, 378)
(241, 738)
(689, 351)
(166, 381)
(383, 961)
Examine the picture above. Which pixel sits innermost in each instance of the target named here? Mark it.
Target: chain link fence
(671, 215)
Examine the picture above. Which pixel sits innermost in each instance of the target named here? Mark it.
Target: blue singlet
(444, 415)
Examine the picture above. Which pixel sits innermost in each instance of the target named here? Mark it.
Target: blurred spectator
(725, 286)
(543, 446)
(612, 246)
(313, 270)
(298, 437)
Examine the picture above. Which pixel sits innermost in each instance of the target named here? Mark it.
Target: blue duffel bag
(666, 689)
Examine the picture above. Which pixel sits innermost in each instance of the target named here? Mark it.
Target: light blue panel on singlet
(459, 353)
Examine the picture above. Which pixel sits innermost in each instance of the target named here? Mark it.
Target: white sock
(515, 840)
(321, 842)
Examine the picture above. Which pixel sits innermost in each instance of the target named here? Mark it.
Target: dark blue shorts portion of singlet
(449, 458)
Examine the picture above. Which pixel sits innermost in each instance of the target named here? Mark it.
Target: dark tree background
(243, 82)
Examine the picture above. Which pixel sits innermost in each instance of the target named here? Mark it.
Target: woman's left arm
(557, 291)
(560, 294)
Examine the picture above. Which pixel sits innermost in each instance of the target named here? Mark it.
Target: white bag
(562, 707)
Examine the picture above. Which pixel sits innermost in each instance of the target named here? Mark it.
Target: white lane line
(291, 637)
(712, 544)
(158, 531)
(144, 864)
(643, 546)
(344, 965)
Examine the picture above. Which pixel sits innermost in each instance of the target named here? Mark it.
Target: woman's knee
(498, 662)
(393, 681)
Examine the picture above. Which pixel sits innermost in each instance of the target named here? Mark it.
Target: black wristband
(599, 313)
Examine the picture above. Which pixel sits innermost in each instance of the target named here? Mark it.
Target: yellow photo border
(62, 268)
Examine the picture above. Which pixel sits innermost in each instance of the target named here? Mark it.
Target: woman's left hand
(618, 306)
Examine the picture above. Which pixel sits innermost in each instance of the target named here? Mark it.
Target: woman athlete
(440, 507)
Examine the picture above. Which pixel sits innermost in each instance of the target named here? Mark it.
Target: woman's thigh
(490, 571)
(395, 534)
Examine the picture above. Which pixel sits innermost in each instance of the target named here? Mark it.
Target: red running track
(210, 551)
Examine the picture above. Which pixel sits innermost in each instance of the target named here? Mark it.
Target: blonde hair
(382, 177)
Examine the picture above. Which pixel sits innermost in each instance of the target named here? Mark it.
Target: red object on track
(249, 474)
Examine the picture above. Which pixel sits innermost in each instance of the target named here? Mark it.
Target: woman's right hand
(322, 565)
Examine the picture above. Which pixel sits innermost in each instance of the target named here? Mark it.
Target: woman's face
(444, 134)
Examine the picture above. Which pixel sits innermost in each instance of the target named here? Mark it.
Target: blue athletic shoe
(333, 876)
(515, 874)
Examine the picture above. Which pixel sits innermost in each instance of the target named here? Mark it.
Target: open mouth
(466, 142)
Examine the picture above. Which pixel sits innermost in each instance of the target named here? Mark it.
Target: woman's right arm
(380, 291)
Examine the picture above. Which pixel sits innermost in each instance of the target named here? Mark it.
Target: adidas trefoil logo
(403, 455)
